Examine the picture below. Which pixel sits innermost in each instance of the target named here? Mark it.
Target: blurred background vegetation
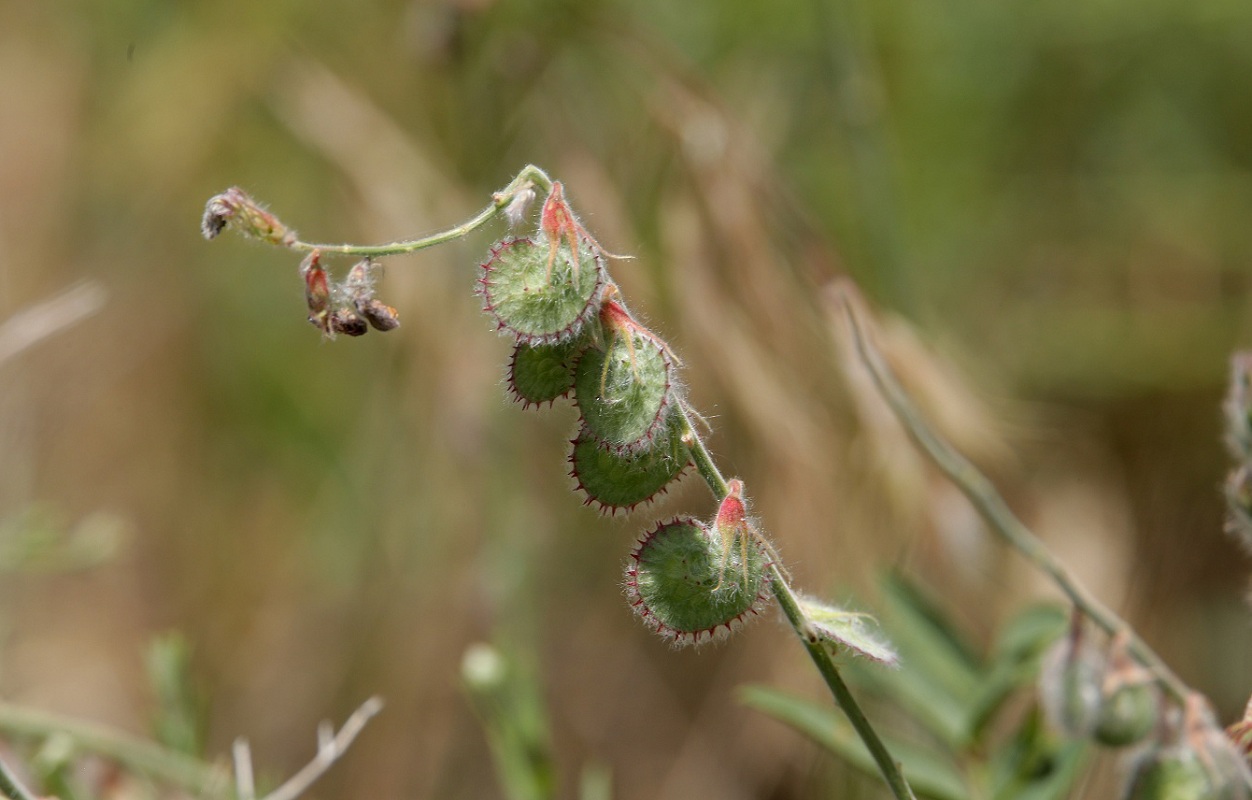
(1050, 201)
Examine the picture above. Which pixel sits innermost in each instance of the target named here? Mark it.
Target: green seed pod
(620, 481)
(1180, 773)
(624, 392)
(1128, 713)
(1070, 679)
(536, 293)
(541, 373)
(688, 588)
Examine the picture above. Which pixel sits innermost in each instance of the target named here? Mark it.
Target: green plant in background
(695, 581)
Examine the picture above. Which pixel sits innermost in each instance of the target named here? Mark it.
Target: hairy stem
(984, 497)
(818, 651)
(530, 177)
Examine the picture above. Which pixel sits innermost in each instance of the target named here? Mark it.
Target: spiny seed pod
(621, 481)
(1070, 678)
(541, 373)
(624, 392)
(537, 307)
(675, 583)
(235, 208)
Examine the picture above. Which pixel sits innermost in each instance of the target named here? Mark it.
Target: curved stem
(529, 177)
(984, 497)
(818, 651)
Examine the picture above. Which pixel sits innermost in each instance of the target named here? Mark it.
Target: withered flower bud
(348, 322)
(382, 316)
(234, 207)
(316, 291)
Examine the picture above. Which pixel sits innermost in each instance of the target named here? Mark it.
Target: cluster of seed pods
(574, 337)
(1104, 695)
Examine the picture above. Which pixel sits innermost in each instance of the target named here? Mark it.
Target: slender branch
(330, 746)
(818, 651)
(11, 787)
(158, 762)
(530, 177)
(984, 497)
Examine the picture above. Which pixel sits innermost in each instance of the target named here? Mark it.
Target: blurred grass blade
(942, 681)
(1055, 783)
(509, 705)
(929, 774)
(179, 719)
(1015, 659)
(595, 782)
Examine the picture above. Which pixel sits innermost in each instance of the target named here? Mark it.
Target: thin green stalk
(11, 787)
(818, 651)
(984, 497)
(198, 778)
(530, 176)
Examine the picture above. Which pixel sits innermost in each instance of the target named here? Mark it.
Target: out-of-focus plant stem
(11, 787)
(818, 651)
(984, 497)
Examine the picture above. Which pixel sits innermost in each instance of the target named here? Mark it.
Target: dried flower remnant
(316, 291)
(234, 207)
(359, 287)
(516, 208)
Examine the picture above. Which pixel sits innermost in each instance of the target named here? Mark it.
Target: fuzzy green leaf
(848, 629)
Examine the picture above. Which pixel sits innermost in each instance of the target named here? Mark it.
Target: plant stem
(817, 650)
(984, 497)
(530, 176)
(11, 787)
(198, 778)
(820, 653)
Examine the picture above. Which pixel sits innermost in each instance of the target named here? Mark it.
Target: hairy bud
(235, 208)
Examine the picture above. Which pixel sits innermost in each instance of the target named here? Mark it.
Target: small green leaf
(850, 629)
